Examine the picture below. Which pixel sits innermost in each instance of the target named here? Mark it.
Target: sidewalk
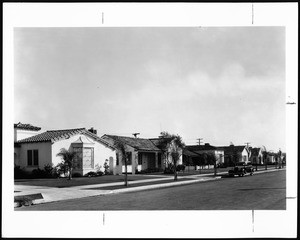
(52, 194)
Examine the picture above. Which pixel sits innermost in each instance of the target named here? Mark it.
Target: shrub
(169, 171)
(106, 167)
(222, 165)
(180, 167)
(47, 172)
(38, 173)
(93, 174)
(76, 174)
(20, 173)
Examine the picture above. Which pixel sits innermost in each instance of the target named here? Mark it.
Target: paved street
(265, 191)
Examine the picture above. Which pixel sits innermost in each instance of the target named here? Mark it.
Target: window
(159, 159)
(140, 158)
(78, 158)
(32, 157)
(117, 159)
(129, 156)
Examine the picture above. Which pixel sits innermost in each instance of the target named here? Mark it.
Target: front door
(151, 160)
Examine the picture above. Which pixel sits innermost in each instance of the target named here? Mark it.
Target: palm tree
(68, 160)
(124, 155)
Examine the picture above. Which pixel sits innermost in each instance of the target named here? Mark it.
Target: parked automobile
(241, 169)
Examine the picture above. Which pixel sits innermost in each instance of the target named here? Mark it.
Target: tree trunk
(215, 167)
(70, 174)
(126, 179)
(175, 172)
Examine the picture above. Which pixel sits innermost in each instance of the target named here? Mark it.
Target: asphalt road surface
(265, 191)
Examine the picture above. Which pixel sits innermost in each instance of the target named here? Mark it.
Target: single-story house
(234, 154)
(166, 156)
(143, 154)
(206, 148)
(255, 155)
(41, 149)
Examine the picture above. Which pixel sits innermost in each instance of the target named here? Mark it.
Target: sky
(222, 84)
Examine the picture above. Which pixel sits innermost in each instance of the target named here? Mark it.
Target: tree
(212, 159)
(124, 156)
(265, 155)
(68, 160)
(202, 160)
(174, 145)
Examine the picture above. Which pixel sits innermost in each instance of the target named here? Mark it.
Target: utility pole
(199, 140)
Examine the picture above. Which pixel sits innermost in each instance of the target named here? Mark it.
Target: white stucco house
(41, 149)
(144, 154)
(233, 154)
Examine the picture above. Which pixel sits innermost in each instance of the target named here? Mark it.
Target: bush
(90, 174)
(38, 173)
(47, 172)
(106, 167)
(180, 167)
(94, 174)
(20, 173)
(222, 165)
(150, 170)
(76, 174)
(169, 171)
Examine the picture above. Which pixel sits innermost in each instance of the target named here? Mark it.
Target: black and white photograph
(180, 124)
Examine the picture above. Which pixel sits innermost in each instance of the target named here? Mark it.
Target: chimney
(135, 134)
(92, 130)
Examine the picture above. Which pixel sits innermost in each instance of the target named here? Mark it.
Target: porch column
(134, 161)
(156, 160)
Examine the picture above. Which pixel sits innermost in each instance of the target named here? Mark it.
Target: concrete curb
(162, 185)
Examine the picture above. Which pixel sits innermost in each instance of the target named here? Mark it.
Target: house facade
(234, 154)
(40, 150)
(191, 150)
(143, 154)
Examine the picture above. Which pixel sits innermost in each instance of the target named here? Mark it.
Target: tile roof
(141, 144)
(26, 126)
(200, 147)
(56, 135)
(189, 153)
(232, 148)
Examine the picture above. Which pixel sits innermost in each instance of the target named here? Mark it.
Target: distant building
(234, 154)
(190, 150)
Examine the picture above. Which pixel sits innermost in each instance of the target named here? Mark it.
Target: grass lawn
(79, 181)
